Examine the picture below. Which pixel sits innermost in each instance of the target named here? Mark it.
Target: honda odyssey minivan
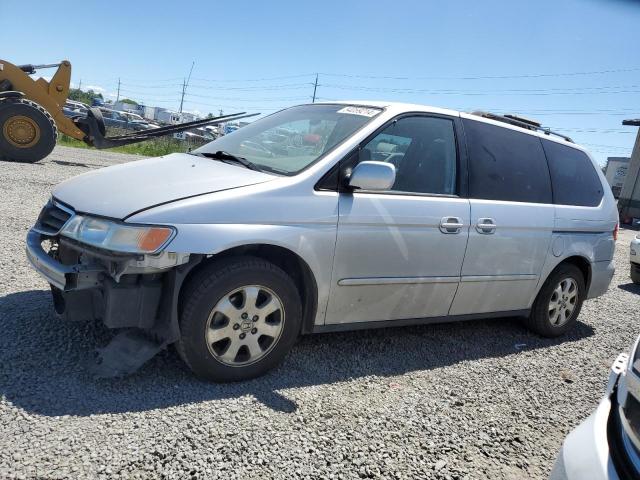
(326, 217)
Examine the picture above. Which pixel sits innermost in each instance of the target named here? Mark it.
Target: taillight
(615, 232)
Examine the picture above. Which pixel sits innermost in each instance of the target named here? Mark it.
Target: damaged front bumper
(135, 293)
(63, 277)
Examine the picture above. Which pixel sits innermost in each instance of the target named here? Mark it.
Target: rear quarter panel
(584, 232)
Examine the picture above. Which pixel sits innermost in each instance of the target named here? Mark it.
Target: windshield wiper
(221, 155)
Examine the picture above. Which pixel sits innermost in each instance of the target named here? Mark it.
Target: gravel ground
(472, 400)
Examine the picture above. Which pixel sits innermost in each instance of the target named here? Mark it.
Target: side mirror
(372, 175)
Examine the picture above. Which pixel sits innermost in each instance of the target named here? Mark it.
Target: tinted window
(575, 181)
(506, 164)
(423, 150)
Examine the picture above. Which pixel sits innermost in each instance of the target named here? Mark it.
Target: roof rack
(521, 122)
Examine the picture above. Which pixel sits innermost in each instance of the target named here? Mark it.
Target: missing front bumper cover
(143, 304)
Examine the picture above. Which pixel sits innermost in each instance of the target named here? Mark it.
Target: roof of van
(414, 107)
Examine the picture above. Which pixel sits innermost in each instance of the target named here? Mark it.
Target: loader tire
(28, 132)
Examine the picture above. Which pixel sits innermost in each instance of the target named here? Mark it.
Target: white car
(606, 446)
(634, 259)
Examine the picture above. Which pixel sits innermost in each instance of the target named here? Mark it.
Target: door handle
(451, 224)
(486, 225)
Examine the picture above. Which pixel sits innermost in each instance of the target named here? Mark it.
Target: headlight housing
(117, 236)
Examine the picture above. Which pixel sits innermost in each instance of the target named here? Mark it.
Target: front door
(399, 253)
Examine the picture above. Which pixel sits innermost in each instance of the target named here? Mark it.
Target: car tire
(564, 289)
(635, 274)
(219, 306)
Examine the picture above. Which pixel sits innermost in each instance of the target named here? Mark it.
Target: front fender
(313, 242)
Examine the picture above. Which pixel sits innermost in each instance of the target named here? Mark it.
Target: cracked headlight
(116, 236)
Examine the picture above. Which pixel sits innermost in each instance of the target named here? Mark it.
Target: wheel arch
(289, 261)
(583, 264)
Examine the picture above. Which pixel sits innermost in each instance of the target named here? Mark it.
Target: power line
(265, 79)
(286, 86)
(534, 92)
(212, 97)
(611, 147)
(400, 77)
(488, 77)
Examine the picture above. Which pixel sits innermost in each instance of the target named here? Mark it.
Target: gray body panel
(501, 269)
(392, 261)
(120, 190)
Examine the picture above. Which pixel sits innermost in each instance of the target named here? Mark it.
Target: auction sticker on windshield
(364, 111)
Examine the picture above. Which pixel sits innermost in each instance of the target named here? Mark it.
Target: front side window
(423, 151)
(291, 140)
(505, 164)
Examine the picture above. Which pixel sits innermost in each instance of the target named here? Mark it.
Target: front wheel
(558, 303)
(239, 319)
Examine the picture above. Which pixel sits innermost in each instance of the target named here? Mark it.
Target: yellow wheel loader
(31, 115)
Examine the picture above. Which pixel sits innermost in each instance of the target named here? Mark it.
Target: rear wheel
(28, 132)
(239, 319)
(558, 303)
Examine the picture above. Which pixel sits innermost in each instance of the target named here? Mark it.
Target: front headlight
(116, 236)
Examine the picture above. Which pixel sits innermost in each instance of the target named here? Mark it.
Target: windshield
(291, 140)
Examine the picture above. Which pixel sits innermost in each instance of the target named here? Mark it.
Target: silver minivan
(328, 217)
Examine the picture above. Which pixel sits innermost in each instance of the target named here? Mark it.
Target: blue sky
(572, 64)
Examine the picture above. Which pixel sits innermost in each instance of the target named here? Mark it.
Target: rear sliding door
(512, 217)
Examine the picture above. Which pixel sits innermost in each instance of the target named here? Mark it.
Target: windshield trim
(333, 148)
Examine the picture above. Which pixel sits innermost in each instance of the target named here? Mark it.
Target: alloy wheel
(563, 301)
(244, 325)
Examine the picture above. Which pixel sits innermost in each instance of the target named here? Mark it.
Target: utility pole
(118, 96)
(80, 85)
(185, 84)
(315, 87)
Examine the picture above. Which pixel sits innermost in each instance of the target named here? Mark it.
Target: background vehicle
(606, 446)
(634, 259)
(32, 112)
(124, 120)
(395, 214)
(73, 109)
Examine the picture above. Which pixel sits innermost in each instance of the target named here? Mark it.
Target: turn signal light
(153, 238)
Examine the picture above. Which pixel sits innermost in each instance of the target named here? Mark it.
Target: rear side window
(506, 165)
(575, 181)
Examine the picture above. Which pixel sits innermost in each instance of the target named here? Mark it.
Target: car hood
(121, 190)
